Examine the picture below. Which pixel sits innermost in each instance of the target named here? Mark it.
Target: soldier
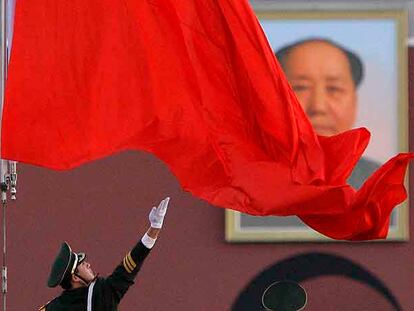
(83, 289)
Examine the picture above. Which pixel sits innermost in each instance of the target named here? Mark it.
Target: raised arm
(124, 274)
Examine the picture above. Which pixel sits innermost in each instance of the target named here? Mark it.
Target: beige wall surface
(338, 5)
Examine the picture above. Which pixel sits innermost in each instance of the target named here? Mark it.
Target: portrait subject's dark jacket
(362, 171)
(107, 292)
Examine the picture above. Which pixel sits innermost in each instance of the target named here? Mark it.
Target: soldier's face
(84, 270)
(320, 75)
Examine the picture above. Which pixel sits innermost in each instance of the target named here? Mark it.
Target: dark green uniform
(107, 292)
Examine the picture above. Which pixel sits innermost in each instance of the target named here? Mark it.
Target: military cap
(65, 264)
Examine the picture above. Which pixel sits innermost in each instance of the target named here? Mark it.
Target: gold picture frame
(392, 24)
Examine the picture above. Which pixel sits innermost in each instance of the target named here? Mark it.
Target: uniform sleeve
(124, 274)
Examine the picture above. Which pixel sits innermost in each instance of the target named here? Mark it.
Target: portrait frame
(245, 228)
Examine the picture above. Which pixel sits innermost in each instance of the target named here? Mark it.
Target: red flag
(196, 84)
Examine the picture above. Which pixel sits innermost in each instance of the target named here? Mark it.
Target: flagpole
(3, 166)
(8, 172)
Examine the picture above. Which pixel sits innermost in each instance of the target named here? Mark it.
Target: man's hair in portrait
(357, 67)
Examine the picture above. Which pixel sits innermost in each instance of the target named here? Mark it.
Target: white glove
(156, 216)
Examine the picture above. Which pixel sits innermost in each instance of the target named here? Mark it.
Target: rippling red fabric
(196, 84)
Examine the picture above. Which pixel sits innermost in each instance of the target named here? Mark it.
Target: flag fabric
(196, 84)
